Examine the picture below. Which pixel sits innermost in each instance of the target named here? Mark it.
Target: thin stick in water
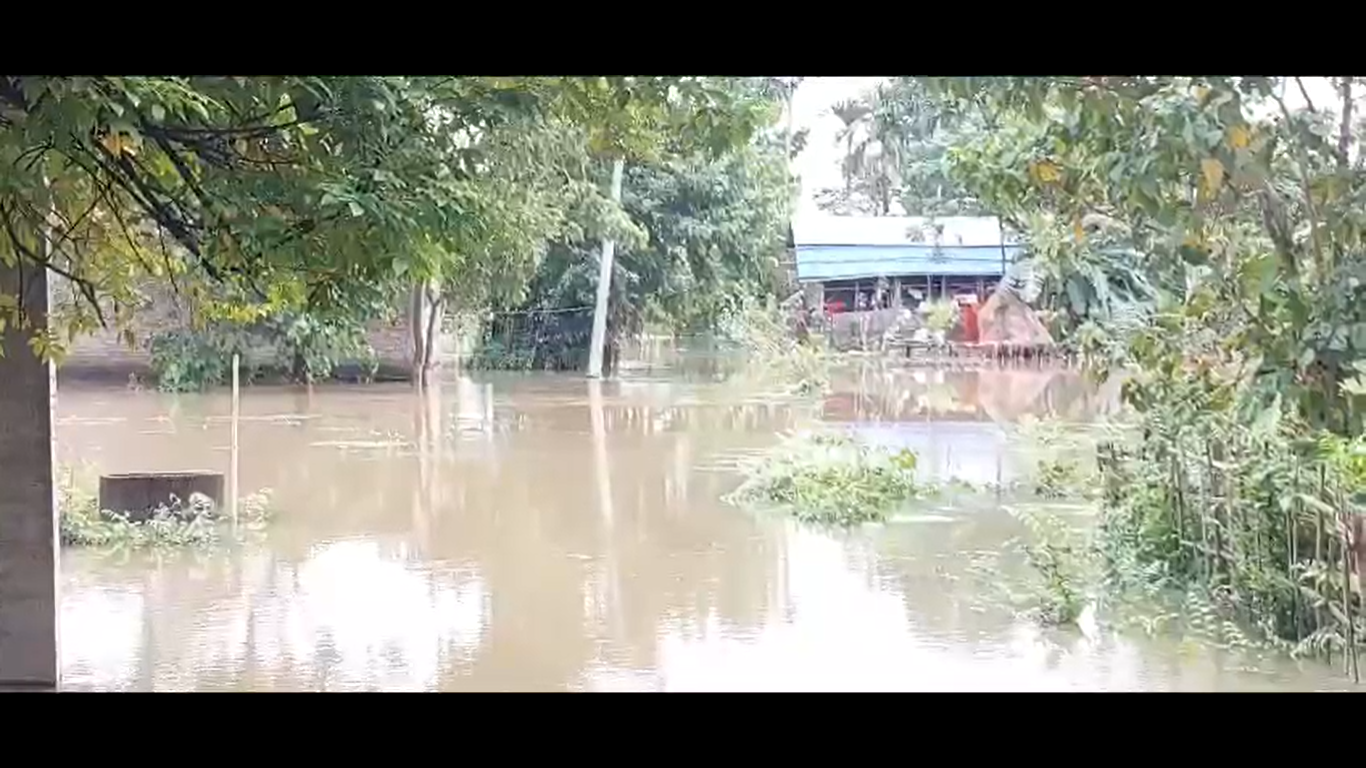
(236, 416)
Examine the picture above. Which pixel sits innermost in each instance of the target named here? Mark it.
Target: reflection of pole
(236, 415)
(428, 459)
(600, 450)
(609, 249)
(1000, 460)
(248, 593)
(604, 478)
(488, 408)
(146, 677)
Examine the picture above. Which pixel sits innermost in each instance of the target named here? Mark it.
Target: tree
(855, 196)
(785, 90)
(896, 137)
(702, 234)
(1242, 210)
(1236, 206)
(292, 188)
(259, 195)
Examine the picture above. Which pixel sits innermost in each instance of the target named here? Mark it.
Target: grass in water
(1061, 562)
(831, 479)
(192, 523)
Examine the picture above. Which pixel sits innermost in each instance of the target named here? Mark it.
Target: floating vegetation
(836, 479)
(374, 440)
(360, 445)
(831, 479)
(1058, 479)
(195, 522)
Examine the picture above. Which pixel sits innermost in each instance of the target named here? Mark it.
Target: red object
(970, 330)
(834, 307)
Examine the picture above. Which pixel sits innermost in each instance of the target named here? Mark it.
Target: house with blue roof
(901, 260)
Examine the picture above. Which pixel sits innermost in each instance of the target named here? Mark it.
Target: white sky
(819, 164)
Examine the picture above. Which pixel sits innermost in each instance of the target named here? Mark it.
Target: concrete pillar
(28, 507)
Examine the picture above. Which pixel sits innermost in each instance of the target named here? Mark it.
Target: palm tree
(851, 112)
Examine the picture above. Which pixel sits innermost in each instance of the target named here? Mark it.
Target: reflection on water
(545, 533)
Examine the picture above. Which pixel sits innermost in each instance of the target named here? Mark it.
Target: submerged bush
(1254, 521)
(1063, 456)
(832, 479)
(1062, 562)
(764, 332)
(941, 315)
(192, 523)
(295, 346)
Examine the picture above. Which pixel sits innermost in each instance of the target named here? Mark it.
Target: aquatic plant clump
(1063, 564)
(196, 523)
(831, 479)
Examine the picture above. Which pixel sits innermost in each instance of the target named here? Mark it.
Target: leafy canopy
(290, 191)
(1240, 205)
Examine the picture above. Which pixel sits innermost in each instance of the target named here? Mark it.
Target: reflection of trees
(998, 394)
(567, 587)
(601, 542)
(689, 560)
(566, 584)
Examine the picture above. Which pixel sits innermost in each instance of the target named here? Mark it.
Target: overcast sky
(819, 163)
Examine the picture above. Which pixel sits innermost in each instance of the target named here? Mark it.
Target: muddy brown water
(541, 533)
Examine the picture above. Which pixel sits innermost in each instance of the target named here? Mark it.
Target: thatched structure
(1008, 330)
(1006, 319)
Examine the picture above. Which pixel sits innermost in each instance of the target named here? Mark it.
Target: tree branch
(1299, 83)
(86, 288)
(1345, 126)
(1302, 161)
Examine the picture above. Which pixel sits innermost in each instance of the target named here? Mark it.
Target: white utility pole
(609, 251)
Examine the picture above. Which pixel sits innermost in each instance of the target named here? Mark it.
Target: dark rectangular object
(139, 494)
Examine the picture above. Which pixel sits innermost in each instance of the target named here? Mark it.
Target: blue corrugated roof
(851, 262)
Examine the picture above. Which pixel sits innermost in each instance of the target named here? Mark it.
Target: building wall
(905, 290)
(106, 354)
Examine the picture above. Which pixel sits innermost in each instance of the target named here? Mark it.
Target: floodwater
(541, 533)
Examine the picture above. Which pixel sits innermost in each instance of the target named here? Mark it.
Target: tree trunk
(1356, 551)
(423, 324)
(433, 343)
(299, 368)
(29, 654)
